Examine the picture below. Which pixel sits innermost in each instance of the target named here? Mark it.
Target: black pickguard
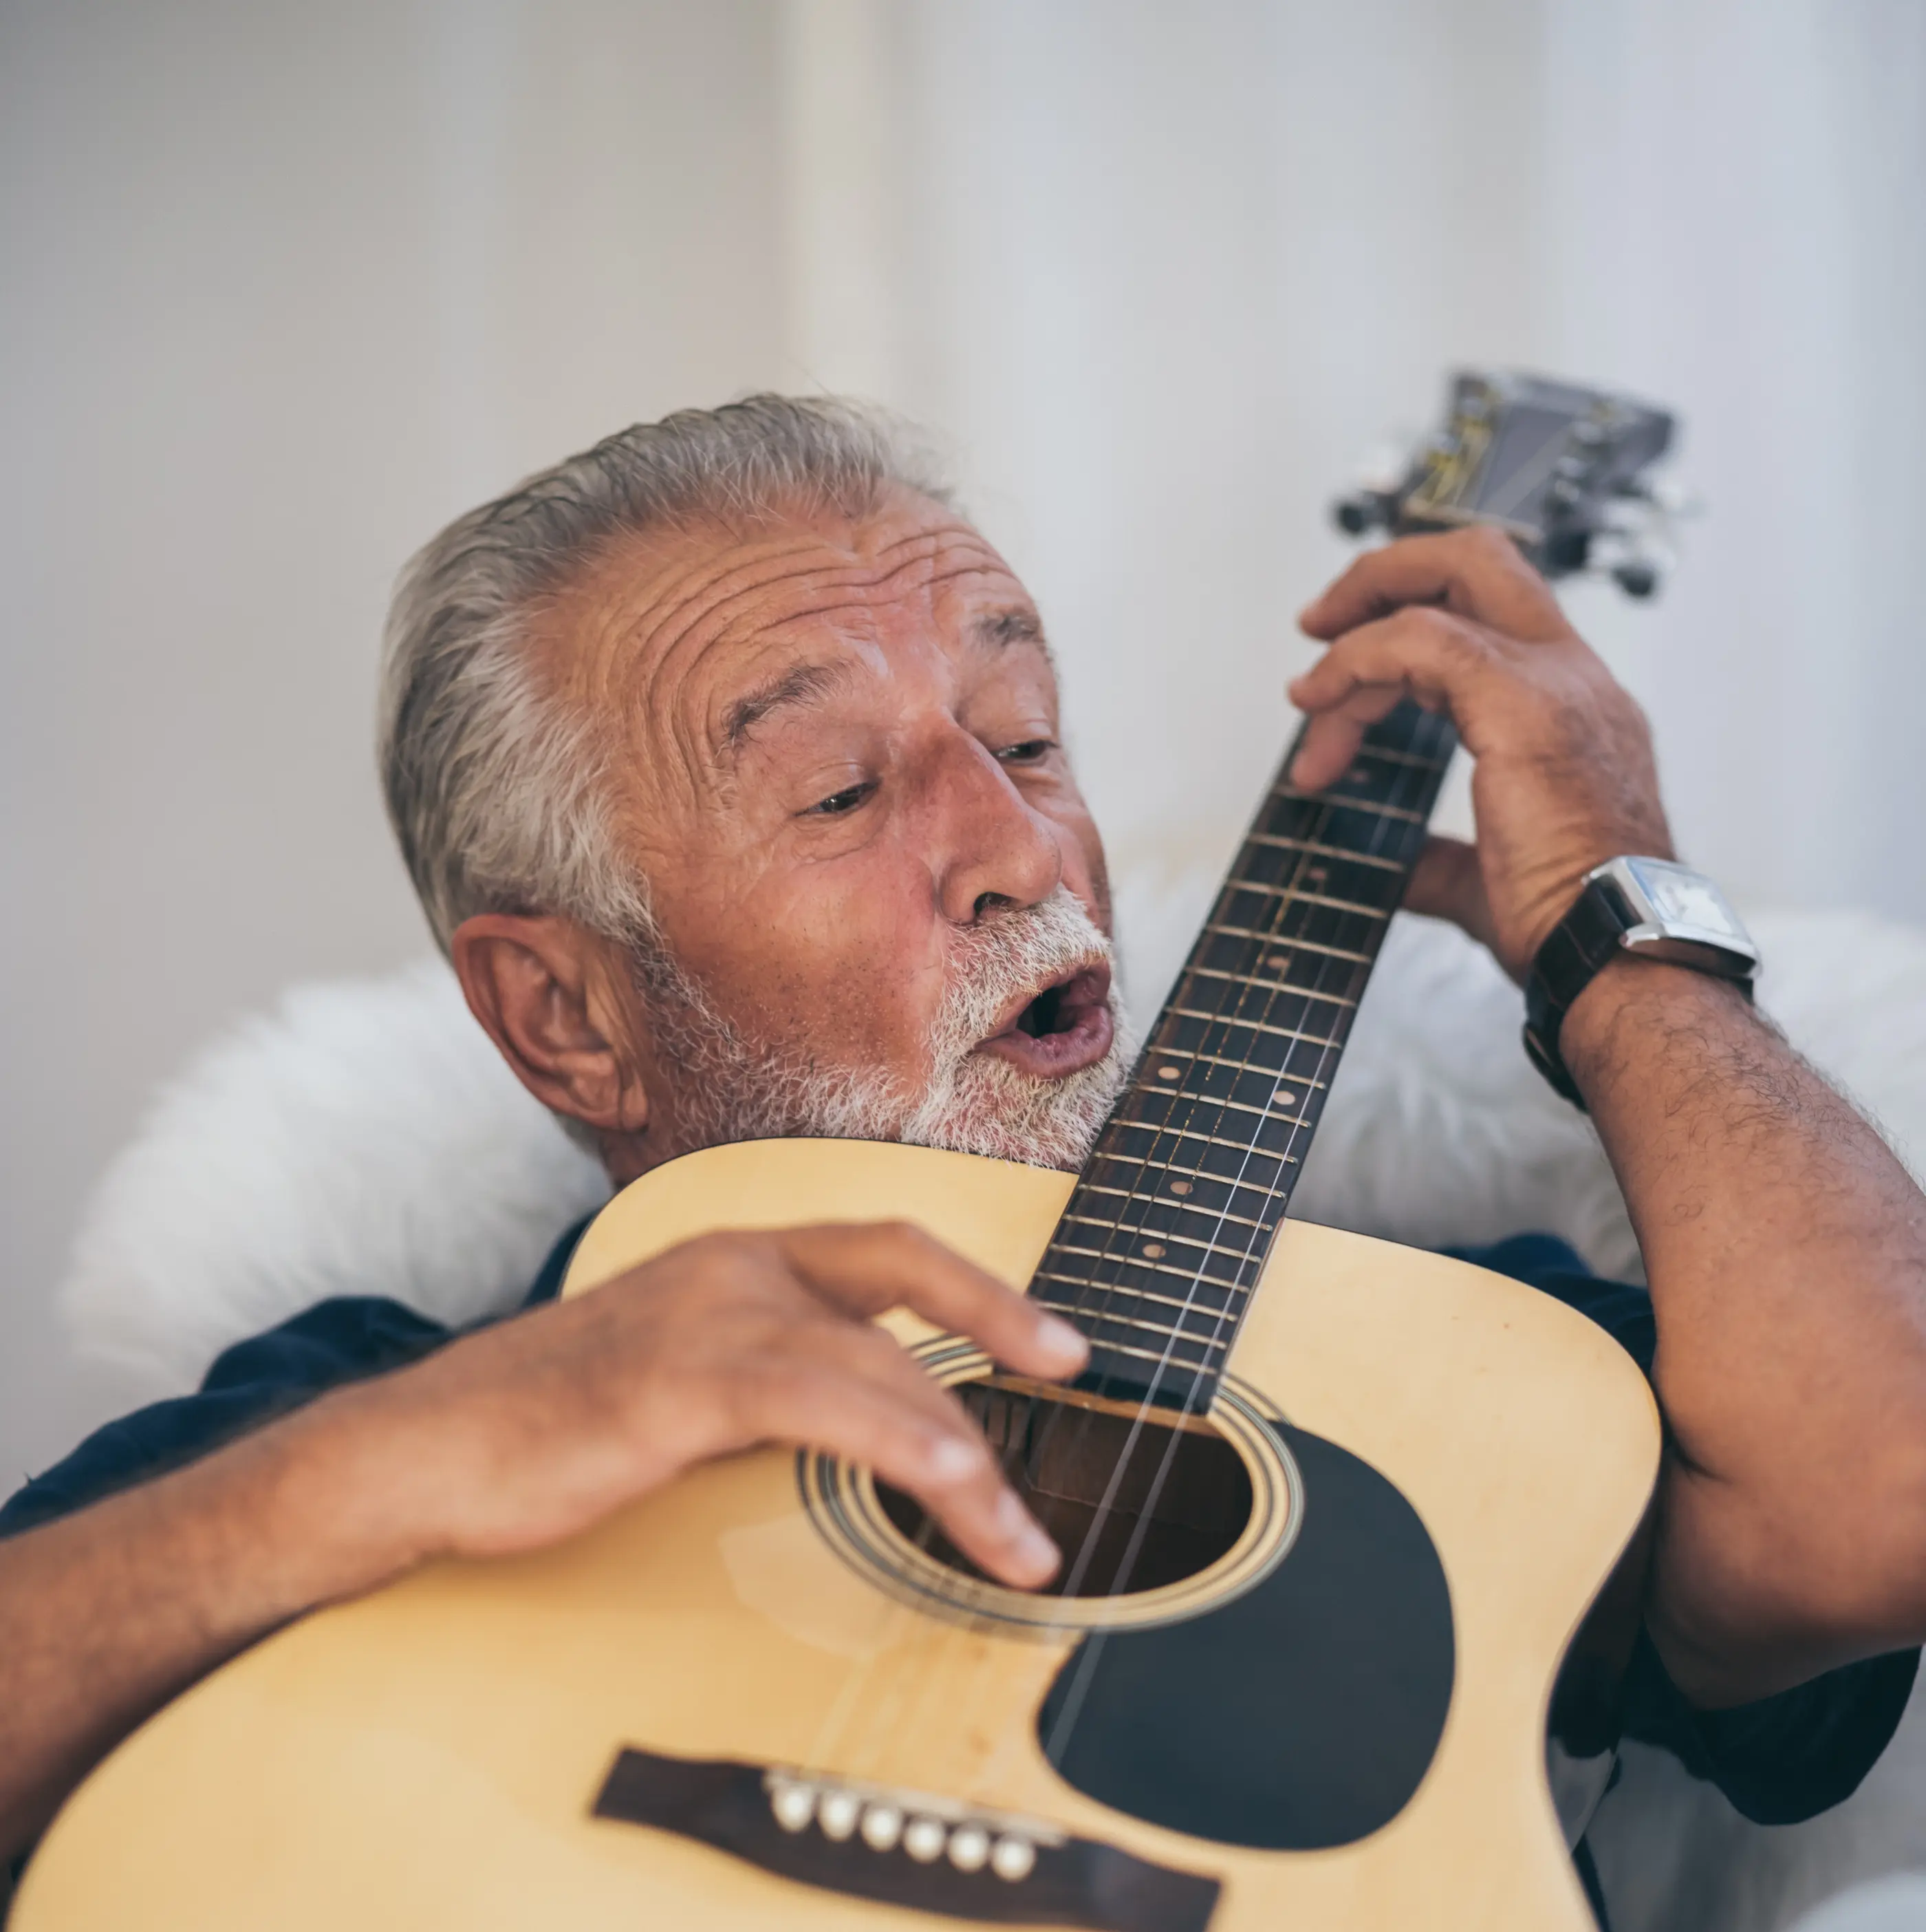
(1300, 1716)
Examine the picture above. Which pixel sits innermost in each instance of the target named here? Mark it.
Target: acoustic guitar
(1333, 1509)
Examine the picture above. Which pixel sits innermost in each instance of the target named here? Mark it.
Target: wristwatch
(1649, 907)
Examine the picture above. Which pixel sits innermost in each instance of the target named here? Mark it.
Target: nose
(991, 848)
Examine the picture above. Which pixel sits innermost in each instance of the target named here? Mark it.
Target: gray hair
(496, 791)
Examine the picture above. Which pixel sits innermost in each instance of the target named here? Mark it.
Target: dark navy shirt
(1779, 1760)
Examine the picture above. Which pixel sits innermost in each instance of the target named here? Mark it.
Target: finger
(1445, 663)
(1447, 882)
(864, 1268)
(1332, 738)
(948, 1466)
(1478, 573)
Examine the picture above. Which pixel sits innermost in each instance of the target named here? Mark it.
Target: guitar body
(1339, 1719)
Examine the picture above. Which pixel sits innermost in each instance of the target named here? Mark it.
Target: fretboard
(1158, 1252)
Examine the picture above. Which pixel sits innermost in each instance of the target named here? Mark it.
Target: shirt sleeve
(252, 1382)
(1784, 1758)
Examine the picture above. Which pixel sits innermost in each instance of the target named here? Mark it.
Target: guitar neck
(1157, 1253)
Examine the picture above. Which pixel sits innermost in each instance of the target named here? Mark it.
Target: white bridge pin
(1013, 1858)
(923, 1839)
(969, 1846)
(882, 1826)
(794, 1804)
(837, 1813)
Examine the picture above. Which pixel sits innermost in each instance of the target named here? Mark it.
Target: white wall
(286, 287)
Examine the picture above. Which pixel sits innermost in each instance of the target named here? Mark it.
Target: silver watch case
(1680, 915)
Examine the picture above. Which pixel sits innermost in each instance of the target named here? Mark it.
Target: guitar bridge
(903, 1848)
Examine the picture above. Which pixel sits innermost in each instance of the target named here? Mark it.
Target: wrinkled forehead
(675, 631)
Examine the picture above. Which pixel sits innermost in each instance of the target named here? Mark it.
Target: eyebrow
(802, 684)
(999, 629)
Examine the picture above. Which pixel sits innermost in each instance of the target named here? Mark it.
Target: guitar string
(1236, 1295)
(1289, 892)
(1235, 991)
(1022, 1436)
(1231, 991)
(1061, 1731)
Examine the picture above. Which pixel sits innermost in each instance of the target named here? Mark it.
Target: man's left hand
(1564, 777)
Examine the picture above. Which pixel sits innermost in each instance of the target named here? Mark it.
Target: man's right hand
(509, 1439)
(530, 1430)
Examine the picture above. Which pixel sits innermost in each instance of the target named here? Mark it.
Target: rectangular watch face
(1680, 897)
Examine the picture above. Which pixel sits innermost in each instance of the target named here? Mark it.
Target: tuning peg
(1636, 578)
(1354, 515)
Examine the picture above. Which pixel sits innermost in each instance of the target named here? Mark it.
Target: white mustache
(734, 1089)
(1019, 952)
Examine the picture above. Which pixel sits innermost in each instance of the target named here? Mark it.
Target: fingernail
(1056, 1337)
(955, 1459)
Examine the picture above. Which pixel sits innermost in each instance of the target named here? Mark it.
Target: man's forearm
(1786, 1248)
(105, 1616)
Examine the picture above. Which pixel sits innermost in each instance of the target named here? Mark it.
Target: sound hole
(1181, 1502)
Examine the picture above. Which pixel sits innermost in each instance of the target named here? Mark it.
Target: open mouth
(1060, 1030)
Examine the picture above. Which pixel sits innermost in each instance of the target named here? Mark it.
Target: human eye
(1026, 752)
(840, 803)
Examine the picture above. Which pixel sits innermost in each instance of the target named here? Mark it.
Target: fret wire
(1148, 1327)
(1203, 1173)
(1270, 986)
(1235, 1293)
(1188, 1274)
(1192, 1275)
(1157, 1052)
(1212, 1100)
(1162, 1359)
(1412, 758)
(1298, 897)
(1280, 943)
(1344, 802)
(1255, 1026)
(1213, 1140)
(1284, 842)
(1179, 1206)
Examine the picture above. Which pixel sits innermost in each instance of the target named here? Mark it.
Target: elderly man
(726, 761)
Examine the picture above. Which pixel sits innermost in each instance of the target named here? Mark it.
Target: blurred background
(286, 287)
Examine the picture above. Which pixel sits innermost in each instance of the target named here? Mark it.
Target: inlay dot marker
(1169, 1073)
(1153, 1251)
(1286, 1098)
(1180, 1187)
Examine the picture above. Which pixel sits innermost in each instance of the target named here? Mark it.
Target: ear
(542, 989)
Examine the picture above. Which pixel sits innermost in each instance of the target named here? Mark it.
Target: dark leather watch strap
(1573, 951)
(1581, 943)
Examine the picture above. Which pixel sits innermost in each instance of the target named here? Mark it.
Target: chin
(992, 1108)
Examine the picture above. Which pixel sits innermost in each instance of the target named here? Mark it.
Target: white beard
(730, 1088)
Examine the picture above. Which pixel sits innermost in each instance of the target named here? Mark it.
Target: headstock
(1563, 469)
